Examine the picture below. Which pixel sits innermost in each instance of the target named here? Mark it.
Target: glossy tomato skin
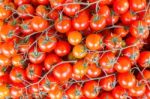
(63, 24)
(126, 80)
(120, 6)
(18, 61)
(62, 48)
(17, 75)
(42, 11)
(106, 95)
(63, 72)
(50, 60)
(90, 89)
(81, 22)
(20, 2)
(4, 13)
(104, 11)
(57, 93)
(121, 31)
(34, 72)
(36, 56)
(4, 60)
(137, 5)
(4, 91)
(139, 29)
(144, 59)
(43, 2)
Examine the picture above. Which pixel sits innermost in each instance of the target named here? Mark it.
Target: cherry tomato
(137, 5)
(4, 91)
(104, 11)
(4, 61)
(106, 95)
(121, 31)
(42, 11)
(18, 61)
(20, 2)
(43, 2)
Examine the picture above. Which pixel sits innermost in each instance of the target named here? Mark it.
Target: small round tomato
(36, 56)
(26, 27)
(39, 24)
(63, 72)
(79, 51)
(5, 79)
(97, 22)
(121, 31)
(25, 11)
(74, 37)
(108, 83)
(80, 68)
(93, 70)
(53, 15)
(57, 93)
(132, 52)
(63, 24)
(49, 83)
(139, 29)
(92, 57)
(137, 90)
(43, 2)
(4, 13)
(50, 60)
(113, 41)
(9, 51)
(91, 89)
(42, 11)
(4, 91)
(74, 92)
(104, 11)
(94, 42)
(106, 95)
(107, 60)
(4, 61)
(34, 72)
(57, 4)
(71, 9)
(81, 21)
(119, 93)
(17, 75)
(17, 91)
(126, 80)
(20, 2)
(18, 61)
(128, 17)
(62, 48)
(137, 5)
(47, 43)
(144, 59)
(120, 6)
(123, 64)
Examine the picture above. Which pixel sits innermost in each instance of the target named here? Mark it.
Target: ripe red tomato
(126, 80)
(57, 93)
(57, 4)
(4, 91)
(43, 2)
(63, 24)
(121, 31)
(120, 6)
(108, 83)
(106, 95)
(4, 13)
(139, 29)
(42, 11)
(92, 57)
(104, 11)
(18, 61)
(50, 60)
(4, 61)
(63, 72)
(123, 64)
(137, 5)
(62, 48)
(144, 59)
(34, 72)
(17, 91)
(39, 24)
(20, 2)
(91, 89)
(17, 75)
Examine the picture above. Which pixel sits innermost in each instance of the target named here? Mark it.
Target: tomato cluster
(75, 49)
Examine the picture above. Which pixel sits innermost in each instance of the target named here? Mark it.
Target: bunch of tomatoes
(74, 49)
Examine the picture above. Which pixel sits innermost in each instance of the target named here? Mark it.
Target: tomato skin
(93, 70)
(18, 61)
(4, 91)
(123, 64)
(25, 11)
(20, 2)
(137, 5)
(50, 60)
(126, 80)
(36, 56)
(39, 24)
(121, 31)
(139, 29)
(71, 9)
(53, 15)
(119, 93)
(62, 48)
(47, 43)
(63, 24)
(4, 13)
(57, 93)
(97, 22)
(4, 61)
(107, 60)
(63, 72)
(5, 79)
(41, 11)
(106, 95)
(108, 83)
(43, 2)
(90, 89)
(104, 11)
(120, 6)
(57, 4)
(144, 59)
(74, 37)
(74, 92)
(17, 74)
(16, 92)
(81, 22)
(34, 72)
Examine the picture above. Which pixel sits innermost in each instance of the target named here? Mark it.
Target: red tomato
(106, 95)
(42, 11)
(20, 2)
(4, 61)
(121, 31)
(43, 2)
(137, 5)
(17, 91)
(18, 61)
(104, 11)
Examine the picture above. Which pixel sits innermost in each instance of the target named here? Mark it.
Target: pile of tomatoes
(74, 49)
